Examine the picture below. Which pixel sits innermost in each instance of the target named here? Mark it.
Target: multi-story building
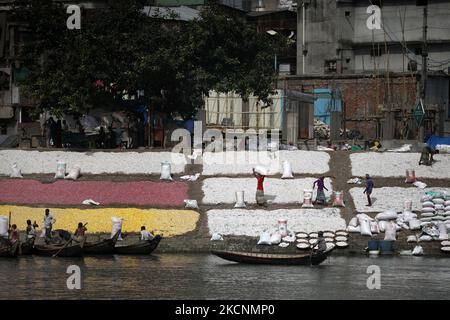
(344, 36)
(370, 52)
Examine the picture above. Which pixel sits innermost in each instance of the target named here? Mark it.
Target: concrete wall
(320, 36)
(338, 30)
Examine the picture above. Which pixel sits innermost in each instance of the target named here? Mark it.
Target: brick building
(381, 106)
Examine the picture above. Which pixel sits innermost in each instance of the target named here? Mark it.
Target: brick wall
(361, 96)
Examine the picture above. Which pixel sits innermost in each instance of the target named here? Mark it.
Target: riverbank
(143, 199)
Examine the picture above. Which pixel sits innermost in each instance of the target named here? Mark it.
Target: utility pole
(424, 53)
(423, 78)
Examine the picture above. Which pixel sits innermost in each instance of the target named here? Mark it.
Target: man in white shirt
(49, 220)
(145, 235)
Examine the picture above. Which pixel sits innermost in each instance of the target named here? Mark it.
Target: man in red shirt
(260, 189)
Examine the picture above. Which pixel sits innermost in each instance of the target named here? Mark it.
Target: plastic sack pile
(388, 222)
(279, 235)
(338, 239)
(435, 214)
(433, 223)
(283, 237)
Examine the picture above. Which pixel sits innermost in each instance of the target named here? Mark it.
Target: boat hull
(139, 248)
(10, 251)
(49, 251)
(274, 259)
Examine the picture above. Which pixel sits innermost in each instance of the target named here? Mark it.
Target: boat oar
(65, 246)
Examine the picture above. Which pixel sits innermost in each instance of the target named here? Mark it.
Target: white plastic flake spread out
(253, 222)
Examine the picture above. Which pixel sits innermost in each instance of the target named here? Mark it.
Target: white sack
(414, 224)
(418, 251)
(191, 204)
(352, 229)
(166, 171)
(387, 215)
(365, 227)
(261, 170)
(240, 203)
(60, 170)
(275, 238)
(74, 174)
(15, 171)
(216, 237)
(287, 170)
(264, 239)
(353, 222)
(4, 226)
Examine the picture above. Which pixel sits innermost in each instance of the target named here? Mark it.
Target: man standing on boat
(260, 200)
(321, 244)
(31, 230)
(49, 221)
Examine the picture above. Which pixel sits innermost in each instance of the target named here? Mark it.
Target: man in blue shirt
(368, 190)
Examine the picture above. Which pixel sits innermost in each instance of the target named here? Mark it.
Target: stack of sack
(279, 235)
(435, 208)
(368, 226)
(306, 241)
(445, 246)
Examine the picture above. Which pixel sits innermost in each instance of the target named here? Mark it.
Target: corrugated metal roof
(181, 13)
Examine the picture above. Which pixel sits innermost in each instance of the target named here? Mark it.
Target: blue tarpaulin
(433, 141)
(327, 100)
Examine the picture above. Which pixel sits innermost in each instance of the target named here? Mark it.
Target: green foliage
(119, 49)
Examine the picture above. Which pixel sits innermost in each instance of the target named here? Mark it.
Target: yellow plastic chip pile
(165, 222)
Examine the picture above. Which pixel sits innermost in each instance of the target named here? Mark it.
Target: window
(418, 51)
(347, 60)
(330, 65)
(3, 129)
(347, 13)
(421, 2)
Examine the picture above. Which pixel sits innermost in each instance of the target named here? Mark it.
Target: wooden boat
(267, 258)
(141, 247)
(105, 246)
(74, 250)
(26, 248)
(9, 251)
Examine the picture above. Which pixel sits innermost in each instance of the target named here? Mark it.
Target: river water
(201, 276)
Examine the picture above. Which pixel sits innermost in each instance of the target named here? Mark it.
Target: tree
(120, 50)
